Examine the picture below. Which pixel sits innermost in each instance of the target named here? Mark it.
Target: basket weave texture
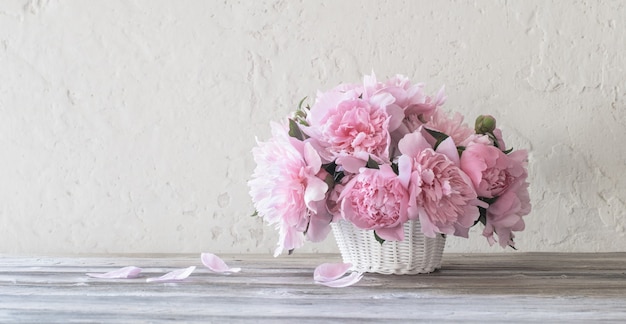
(415, 254)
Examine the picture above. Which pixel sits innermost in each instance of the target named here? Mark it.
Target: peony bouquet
(379, 154)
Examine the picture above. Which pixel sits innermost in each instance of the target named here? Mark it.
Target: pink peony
(415, 105)
(454, 127)
(375, 199)
(505, 215)
(404, 93)
(286, 189)
(442, 195)
(341, 124)
(493, 172)
(408, 99)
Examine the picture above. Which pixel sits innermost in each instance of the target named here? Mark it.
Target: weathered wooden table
(511, 287)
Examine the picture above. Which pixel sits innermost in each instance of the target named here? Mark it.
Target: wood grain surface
(511, 287)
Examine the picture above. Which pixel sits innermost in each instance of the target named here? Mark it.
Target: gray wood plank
(518, 287)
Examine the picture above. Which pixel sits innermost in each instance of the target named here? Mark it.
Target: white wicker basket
(416, 254)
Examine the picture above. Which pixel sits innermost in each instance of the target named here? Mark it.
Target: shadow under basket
(416, 254)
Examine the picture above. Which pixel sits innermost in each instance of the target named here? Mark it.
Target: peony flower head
(493, 172)
(442, 195)
(285, 187)
(341, 124)
(376, 199)
(416, 107)
(453, 126)
(408, 97)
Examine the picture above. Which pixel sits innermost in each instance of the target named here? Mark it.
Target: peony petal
(176, 275)
(330, 271)
(324, 155)
(216, 264)
(440, 98)
(413, 144)
(397, 116)
(311, 157)
(315, 191)
(123, 273)
(343, 282)
(351, 163)
(405, 164)
(348, 213)
(370, 80)
(383, 99)
(461, 231)
(428, 228)
(448, 148)
(319, 224)
(289, 238)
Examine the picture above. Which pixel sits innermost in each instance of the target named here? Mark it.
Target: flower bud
(485, 124)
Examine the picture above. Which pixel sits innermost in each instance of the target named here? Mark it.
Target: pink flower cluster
(378, 154)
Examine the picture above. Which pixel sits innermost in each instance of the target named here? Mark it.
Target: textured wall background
(126, 126)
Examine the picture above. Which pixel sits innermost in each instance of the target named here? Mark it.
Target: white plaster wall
(126, 126)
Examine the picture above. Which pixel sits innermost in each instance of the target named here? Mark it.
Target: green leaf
(330, 181)
(494, 139)
(371, 164)
(483, 211)
(483, 216)
(489, 201)
(378, 238)
(508, 151)
(331, 168)
(295, 131)
(307, 228)
(439, 136)
(338, 176)
(300, 116)
(394, 167)
(255, 214)
(300, 103)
